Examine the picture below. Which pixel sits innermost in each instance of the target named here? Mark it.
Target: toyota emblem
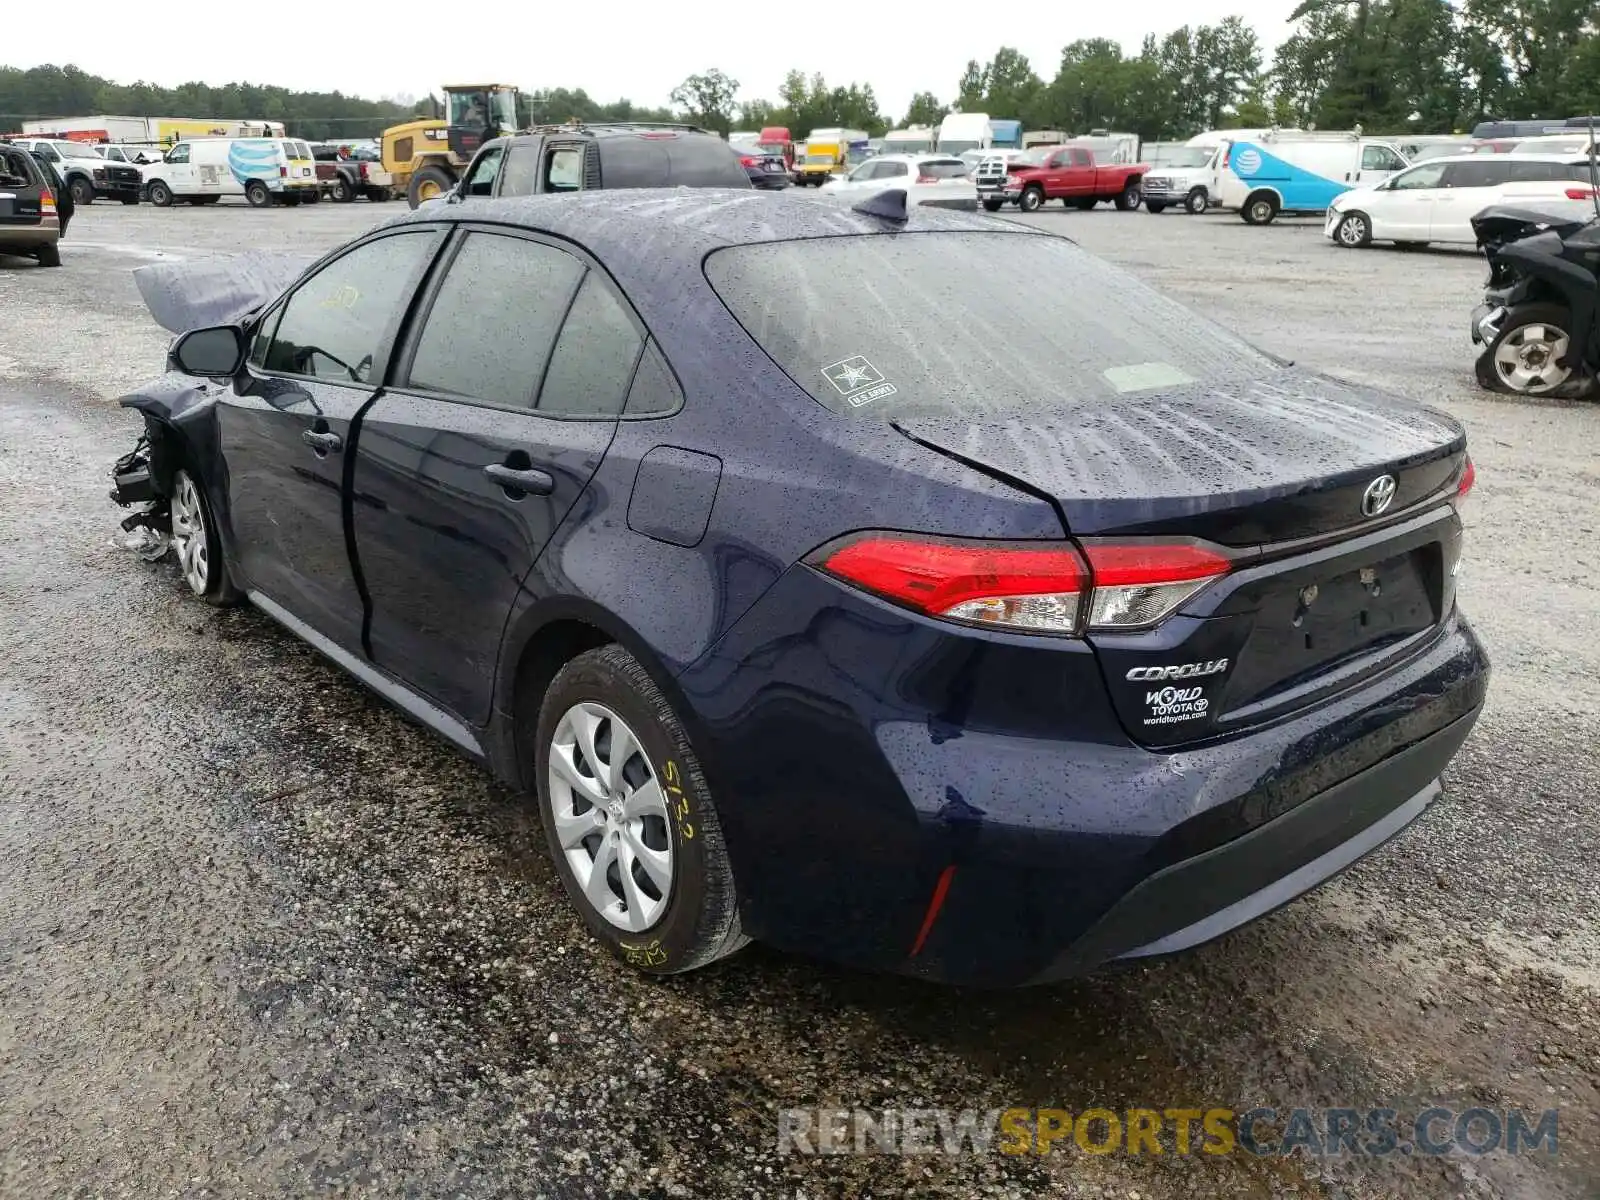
(1378, 496)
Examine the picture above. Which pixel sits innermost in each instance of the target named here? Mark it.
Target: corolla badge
(1378, 496)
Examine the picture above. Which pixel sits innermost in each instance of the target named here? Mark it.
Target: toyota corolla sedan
(921, 613)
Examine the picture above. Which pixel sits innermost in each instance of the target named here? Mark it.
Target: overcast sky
(623, 48)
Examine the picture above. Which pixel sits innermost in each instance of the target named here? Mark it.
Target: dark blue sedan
(921, 593)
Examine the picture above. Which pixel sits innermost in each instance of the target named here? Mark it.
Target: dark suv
(28, 223)
(571, 158)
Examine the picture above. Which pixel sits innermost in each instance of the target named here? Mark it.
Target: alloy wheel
(189, 535)
(610, 814)
(1527, 358)
(1352, 230)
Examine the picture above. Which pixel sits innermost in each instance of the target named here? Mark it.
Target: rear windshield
(967, 323)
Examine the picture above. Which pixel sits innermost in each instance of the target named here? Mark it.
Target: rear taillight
(927, 179)
(1469, 476)
(747, 161)
(1040, 587)
(1580, 193)
(47, 201)
(363, 168)
(1139, 583)
(283, 172)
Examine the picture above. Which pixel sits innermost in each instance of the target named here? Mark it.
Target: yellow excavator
(423, 159)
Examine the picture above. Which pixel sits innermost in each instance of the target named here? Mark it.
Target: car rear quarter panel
(793, 476)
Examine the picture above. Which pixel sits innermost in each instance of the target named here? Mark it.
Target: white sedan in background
(1435, 201)
(937, 180)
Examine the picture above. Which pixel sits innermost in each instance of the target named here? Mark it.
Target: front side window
(1082, 158)
(865, 324)
(494, 321)
(334, 323)
(1429, 175)
(1380, 158)
(594, 357)
(481, 181)
(890, 170)
(179, 153)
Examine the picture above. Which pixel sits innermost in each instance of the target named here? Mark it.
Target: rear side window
(493, 322)
(521, 175)
(335, 322)
(654, 392)
(943, 168)
(564, 169)
(671, 160)
(967, 323)
(1524, 171)
(1483, 172)
(594, 358)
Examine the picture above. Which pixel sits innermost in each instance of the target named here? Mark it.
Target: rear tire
(1197, 201)
(312, 196)
(130, 199)
(160, 194)
(660, 811)
(49, 256)
(1032, 198)
(256, 193)
(1155, 206)
(1260, 208)
(1082, 203)
(1128, 198)
(343, 193)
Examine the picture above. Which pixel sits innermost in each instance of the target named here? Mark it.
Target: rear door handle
(322, 443)
(531, 480)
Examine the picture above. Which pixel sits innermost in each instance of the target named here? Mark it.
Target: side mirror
(214, 353)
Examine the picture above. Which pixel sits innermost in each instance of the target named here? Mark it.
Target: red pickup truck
(1067, 173)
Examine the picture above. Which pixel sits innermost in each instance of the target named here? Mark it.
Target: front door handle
(529, 481)
(322, 442)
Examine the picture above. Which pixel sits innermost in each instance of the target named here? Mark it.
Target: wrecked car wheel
(197, 544)
(629, 818)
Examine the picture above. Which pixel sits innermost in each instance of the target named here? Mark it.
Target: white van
(1299, 173)
(964, 131)
(262, 170)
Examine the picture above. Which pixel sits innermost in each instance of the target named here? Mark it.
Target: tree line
(1428, 66)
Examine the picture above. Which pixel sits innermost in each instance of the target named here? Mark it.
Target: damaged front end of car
(179, 408)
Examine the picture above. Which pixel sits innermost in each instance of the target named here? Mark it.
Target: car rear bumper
(966, 807)
(30, 237)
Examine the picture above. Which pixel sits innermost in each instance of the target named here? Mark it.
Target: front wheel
(1155, 206)
(1032, 198)
(428, 184)
(1197, 201)
(1128, 198)
(992, 205)
(82, 192)
(1525, 358)
(1354, 231)
(199, 546)
(160, 194)
(629, 818)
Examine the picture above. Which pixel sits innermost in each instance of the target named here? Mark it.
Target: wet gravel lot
(260, 936)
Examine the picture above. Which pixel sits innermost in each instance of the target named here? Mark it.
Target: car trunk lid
(1325, 586)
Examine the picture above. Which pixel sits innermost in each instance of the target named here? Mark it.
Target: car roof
(685, 224)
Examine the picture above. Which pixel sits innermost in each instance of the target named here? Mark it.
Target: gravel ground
(260, 936)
